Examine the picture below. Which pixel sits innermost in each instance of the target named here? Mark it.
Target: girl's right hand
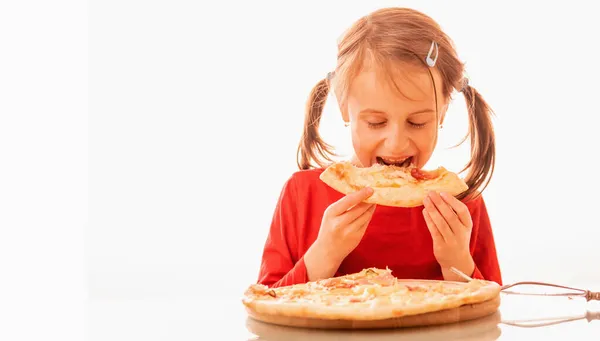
(345, 222)
(343, 225)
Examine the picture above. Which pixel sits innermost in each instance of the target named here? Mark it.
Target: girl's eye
(381, 124)
(375, 124)
(418, 125)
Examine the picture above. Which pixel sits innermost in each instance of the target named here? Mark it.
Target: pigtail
(312, 148)
(483, 147)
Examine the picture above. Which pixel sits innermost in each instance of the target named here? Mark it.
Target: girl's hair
(389, 36)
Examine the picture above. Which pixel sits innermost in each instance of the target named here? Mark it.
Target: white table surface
(217, 317)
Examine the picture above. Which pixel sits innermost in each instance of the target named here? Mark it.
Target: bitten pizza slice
(392, 185)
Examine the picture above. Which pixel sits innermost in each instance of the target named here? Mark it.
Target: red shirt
(396, 238)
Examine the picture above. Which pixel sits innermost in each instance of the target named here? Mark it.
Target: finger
(438, 220)
(462, 212)
(433, 230)
(350, 200)
(446, 211)
(355, 212)
(362, 221)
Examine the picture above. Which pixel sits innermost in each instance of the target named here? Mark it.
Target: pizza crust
(392, 186)
(463, 313)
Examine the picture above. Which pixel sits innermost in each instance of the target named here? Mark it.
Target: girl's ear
(345, 116)
(443, 111)
(342, 106)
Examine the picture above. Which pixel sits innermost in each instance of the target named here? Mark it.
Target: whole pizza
(371, 298)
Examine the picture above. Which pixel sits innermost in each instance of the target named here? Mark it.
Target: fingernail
(444, 194)
(369, 190)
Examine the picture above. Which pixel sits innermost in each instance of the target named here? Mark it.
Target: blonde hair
(405, 35)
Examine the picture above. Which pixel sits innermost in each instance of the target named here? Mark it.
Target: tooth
(396, 160)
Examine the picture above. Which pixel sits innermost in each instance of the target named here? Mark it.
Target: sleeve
(483, 248)
(278, 267)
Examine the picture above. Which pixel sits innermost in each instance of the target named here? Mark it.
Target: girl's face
(390, 126)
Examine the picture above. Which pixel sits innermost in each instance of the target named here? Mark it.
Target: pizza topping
(340, 172)
(416, 288)
(357, 299)
(330, 282)
(381, 280)
(366, 296)
(420, 174)
(381, 176)
(382, 171)
(260, 290)
(338, 283)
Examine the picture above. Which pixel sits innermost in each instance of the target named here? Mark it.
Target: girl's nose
(397, 140)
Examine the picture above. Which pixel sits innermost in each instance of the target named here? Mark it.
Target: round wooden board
(463, 313)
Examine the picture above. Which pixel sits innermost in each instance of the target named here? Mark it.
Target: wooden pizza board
(463, 313)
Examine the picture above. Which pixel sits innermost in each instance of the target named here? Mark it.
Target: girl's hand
(342, 227)
(450, 225)
(345, 222)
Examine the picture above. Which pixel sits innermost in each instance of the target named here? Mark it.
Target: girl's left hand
(449, 222)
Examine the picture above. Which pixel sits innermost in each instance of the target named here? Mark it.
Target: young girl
(395, 73)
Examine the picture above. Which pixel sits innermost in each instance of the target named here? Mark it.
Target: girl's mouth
(405, 162)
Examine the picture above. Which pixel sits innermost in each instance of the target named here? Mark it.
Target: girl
(395, 73)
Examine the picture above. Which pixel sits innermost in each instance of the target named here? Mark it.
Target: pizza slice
(392, 185)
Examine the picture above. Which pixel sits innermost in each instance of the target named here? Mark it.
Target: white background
(153, 146)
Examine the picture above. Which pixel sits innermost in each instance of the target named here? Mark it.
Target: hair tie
(465, 84)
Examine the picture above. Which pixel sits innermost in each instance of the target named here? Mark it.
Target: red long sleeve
(483, 248)
(280, 265)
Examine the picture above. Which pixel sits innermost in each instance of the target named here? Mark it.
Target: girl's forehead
(407, 84)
